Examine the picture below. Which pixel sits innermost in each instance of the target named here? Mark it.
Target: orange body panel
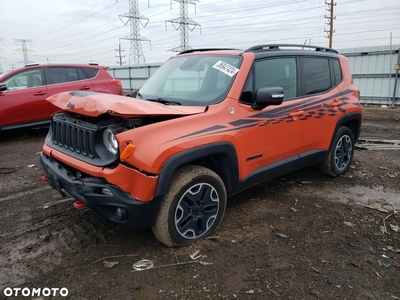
(139, 185)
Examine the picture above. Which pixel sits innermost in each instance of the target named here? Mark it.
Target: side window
(62, 74)
(57, 75)
(89, 72)
(25, 79)
(337, 71)
(317, 77)
(277, 72)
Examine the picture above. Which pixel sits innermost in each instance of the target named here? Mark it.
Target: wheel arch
(352, 121)
(219, 157)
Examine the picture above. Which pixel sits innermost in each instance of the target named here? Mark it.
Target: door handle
(336, 103)
(40, 93)
(84, 88)
(296, 114)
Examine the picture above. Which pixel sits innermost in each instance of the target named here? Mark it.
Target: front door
(24, 101)
(277, 138)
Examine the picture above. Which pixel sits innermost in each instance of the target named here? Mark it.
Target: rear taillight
(115, 81)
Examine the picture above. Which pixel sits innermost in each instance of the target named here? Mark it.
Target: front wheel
(340, 154)
(193, 207)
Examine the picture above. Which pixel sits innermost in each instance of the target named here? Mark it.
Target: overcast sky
(89, 30)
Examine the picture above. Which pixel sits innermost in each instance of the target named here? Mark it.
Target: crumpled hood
(94, 104)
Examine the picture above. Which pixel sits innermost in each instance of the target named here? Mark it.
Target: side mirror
(3, 87)
(266, 96)
(133, 94)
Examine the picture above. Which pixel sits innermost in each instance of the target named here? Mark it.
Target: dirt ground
(304, 236)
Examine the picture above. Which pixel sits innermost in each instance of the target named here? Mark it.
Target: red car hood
(95, 104)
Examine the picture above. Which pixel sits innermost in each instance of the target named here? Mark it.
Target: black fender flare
(185, 157)
(346, 118)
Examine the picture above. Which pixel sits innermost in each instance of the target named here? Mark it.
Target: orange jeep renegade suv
(207, 125)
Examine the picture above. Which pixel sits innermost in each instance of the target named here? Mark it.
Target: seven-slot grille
(73, 137)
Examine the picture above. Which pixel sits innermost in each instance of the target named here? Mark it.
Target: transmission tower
(134, 18)
(24, 50)
(184, 23)
(330, 18)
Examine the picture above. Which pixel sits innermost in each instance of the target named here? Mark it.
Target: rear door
(64, 79)
(25, 99)
(323, 101)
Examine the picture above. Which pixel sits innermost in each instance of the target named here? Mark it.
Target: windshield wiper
(163, 101)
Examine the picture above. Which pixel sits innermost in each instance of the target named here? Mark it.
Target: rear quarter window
(317, 76)
(337, 71)
(90, 72)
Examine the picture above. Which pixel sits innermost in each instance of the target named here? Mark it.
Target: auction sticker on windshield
(226, 68)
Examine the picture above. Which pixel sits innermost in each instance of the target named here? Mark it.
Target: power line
(95, 13)
(184, 23)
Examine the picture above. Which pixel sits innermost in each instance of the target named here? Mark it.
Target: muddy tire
(193, 207)
(340, 155)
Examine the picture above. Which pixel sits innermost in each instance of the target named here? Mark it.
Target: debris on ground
(204, 263)
(281, 235)
(383, 264)
(376, 206)
(195, 255)
(348, 224)
(143, 264)
(392, 175)
(390, 248)
(110, 264)
(395, 228)
(377, 144)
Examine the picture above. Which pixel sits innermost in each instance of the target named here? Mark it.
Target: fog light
(121, 213)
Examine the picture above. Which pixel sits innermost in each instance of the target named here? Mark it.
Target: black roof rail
(277, 47)
(204, 49)
(93, 64)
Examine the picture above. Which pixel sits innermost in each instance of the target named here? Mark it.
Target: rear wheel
(340, 155)
(193, 207)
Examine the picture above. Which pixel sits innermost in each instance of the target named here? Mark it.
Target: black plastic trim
(344, 119)
(312, 157)
(269, 172)
(207, 49)
(96, 153)
(182, 158)
(140, 215)
(266, 47)
(25, 125)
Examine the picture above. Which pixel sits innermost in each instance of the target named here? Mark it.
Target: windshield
(192, 80)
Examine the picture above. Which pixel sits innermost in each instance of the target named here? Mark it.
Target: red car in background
(23, 91)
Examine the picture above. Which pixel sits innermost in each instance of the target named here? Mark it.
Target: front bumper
(103, 198)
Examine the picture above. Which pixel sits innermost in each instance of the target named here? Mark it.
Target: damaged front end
(82, 154)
